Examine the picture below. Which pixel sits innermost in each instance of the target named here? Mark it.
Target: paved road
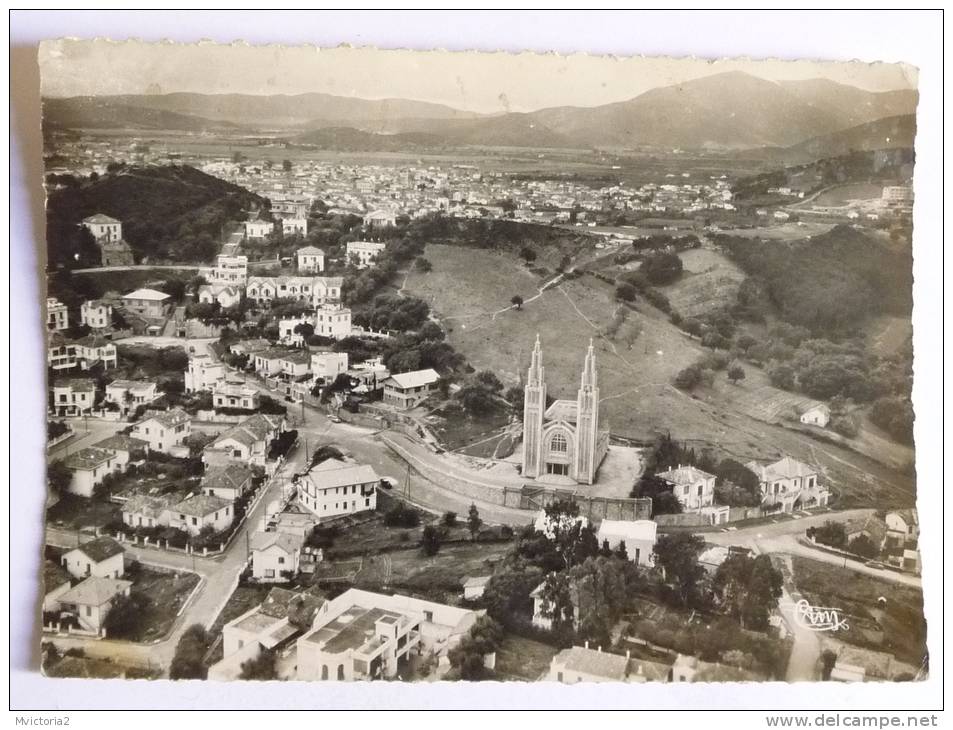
(86, 432)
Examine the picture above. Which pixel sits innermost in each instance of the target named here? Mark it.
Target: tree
(286, 165)
(782, 376)
(736, 373)
(828, 660)
(473, 521)
(677, 555)
(831, 533)
(661, 268)
(528, 255)
(423, 265)
(620, 551)
(864, 547)
(565, 529)
(124, 619)
(430, 540)
(490, 380)
(59, 476)
(400, 515)
(748, 589)
(688, 378)
(261, 667)
(187, 663)
(484, 637)
(450, 519)
(517, 301)
(556, 604)
(626, 292)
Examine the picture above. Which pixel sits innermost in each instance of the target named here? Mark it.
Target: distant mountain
(882, 134)
(727, 110)
(278, 111)
(171, 212)
(92, 112)
(732, 110)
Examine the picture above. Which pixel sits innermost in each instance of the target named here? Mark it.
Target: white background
(908, 36)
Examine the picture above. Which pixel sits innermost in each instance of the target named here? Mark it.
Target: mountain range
(731, 110)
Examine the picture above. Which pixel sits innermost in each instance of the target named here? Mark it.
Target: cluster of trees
(703, 370)
(834, 534)
(188, 661)
(173, 213)
(830, 283)
(467, 657)
(481, 394)
(393, 312)
(630, 286)
(401, 515)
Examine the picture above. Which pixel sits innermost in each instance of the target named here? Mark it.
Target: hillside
(275, 111)
(168, 213)
(730, 110)
(105, 113)
(889, 133)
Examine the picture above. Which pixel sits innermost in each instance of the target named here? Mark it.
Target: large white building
(638, 536)
(364, 636)
(564, 439)
(96, 314)
(164, 430)
(57, 315)
(364, 253)
(788, 484)
(203, 373)
(232, 270)
(310, 259)
(334, 488)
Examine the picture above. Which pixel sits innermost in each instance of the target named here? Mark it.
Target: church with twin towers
(562, 442)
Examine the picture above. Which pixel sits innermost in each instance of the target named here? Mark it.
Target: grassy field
(886, 334)
(636, 366)
(75, 513)
(904, 626)
(710, 280)
(165, 592)
(523, 660)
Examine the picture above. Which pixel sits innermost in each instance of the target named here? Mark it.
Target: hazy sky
(482, 82)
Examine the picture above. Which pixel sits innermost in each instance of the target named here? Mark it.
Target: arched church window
(559, 443)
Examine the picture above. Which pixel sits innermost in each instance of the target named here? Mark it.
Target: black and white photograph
(419, 366)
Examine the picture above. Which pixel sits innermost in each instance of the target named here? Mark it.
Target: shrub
(400, 515)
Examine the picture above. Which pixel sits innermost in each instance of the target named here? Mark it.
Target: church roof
(562, 410)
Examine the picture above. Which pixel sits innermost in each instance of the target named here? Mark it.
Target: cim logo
(818, 618)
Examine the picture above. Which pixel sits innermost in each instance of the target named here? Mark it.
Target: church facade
(562, 440)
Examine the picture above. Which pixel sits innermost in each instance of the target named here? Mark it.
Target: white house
(326, 366)
(638, 536)
(582, 664)
(788, 484)
(144, 510)
(146, 302)
(816, 414)
(90, 466)
(130, 394)
(225, 295)
(96, 314)
(228, 481)
(123, 446)
(380, 219)
(103, 228)
(234, 394)
(332, 320)
(275, 555)
(364, 253)
(258, 229)
(203, 373)
(406, 390)
(294, 226)
(199, 511)
(310, 259)
(57, 315)
(694, 488)
(268, 362)
(334, 488)
(230, 270)
(102, 557)
(246, 442)
(91, 600)
(74, 397)
(473, 587)
(164, 430)
(365, 636)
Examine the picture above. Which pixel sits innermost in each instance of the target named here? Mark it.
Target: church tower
(587, 420)
(534, 407)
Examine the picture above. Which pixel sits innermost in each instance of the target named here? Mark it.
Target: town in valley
(348, 389)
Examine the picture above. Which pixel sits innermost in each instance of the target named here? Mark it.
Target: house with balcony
(364, 636)
(235, 394)
(147, 302)
(130, 394)
(57, 315)
(203, 373)
(96, 314)
(407, 390)
(73, 397)
(336, 487)
(788, 484)
(364, 253)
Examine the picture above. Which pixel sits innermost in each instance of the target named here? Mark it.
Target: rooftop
(100, 549)
(628, 529)
(231, 476)
(95, 591)
(147, 294)
(88, 458)
(562, 410)
(200, 505)
(685, 475)
(333, 473)
(593, 662)
(415, 378)
(121, 442)
(169, 419)
(100, 219)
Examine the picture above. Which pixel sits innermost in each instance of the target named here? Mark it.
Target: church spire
(536, 364)
(589, 368)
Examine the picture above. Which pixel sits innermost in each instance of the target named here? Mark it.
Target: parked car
(387, 483)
